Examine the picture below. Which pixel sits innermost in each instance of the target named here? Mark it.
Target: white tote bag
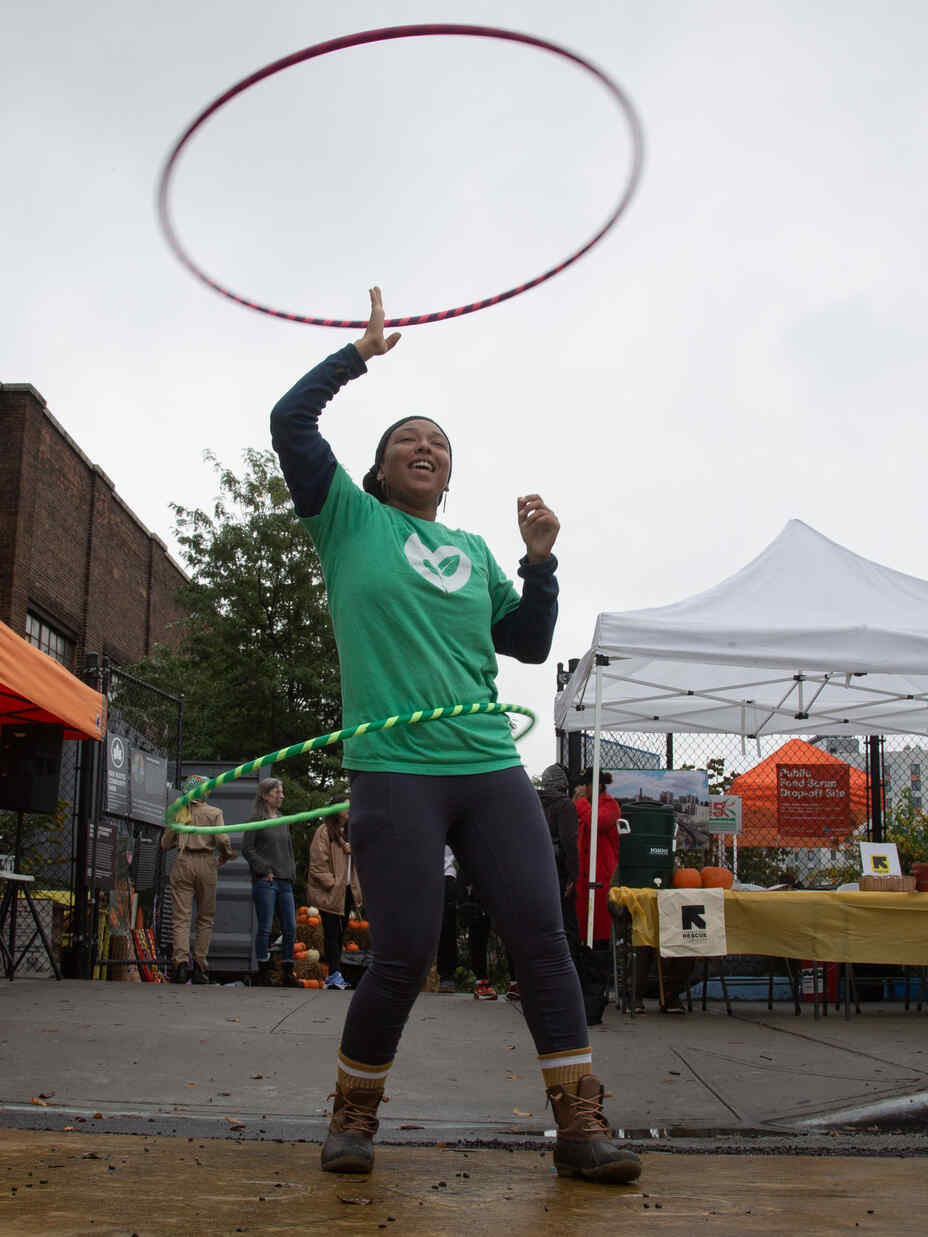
(692, 922)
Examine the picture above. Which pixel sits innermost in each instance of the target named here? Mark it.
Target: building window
(50, 641)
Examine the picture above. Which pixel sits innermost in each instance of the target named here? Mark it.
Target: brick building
(79, 572)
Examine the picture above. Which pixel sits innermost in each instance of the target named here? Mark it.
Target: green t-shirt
(412, 604)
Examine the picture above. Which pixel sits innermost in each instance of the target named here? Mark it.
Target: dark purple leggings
(398, 827)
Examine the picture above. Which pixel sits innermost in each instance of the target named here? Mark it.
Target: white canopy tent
(808, 638)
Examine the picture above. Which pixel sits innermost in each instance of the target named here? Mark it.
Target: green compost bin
(646, 854)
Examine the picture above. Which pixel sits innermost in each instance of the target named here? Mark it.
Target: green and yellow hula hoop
(418, 717)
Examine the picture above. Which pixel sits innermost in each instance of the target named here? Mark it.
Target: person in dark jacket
(561, 815)
(269, 853)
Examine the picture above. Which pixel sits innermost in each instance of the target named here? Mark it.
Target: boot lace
(357, 1119)
(587, 1113)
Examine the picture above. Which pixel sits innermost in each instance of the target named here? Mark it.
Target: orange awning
(758, 790)
(35, 688)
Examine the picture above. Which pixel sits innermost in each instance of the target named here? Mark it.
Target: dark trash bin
(646, 852)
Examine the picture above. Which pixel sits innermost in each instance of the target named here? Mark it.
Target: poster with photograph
(685, 790)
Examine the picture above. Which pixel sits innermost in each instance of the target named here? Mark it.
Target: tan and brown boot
(585, 1146)
(349, 1146)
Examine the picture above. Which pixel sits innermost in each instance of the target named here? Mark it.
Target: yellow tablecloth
(823, 927)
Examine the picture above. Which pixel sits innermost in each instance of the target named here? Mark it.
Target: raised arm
(306, 458)
(372, 342)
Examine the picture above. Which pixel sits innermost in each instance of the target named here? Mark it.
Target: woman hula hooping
(420, 612)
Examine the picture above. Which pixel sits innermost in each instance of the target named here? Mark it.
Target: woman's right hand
(372, 342)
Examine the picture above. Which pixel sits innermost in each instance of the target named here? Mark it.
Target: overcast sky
(745, 347)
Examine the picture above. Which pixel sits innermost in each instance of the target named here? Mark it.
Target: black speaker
(30, 767)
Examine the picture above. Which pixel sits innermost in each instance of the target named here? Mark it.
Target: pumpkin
(687, 878)
(303, 910)
(717, 878)
(313, 921)
(353, 946)
(311, 983)
(363, 926)
(312, 955)
(312, 910)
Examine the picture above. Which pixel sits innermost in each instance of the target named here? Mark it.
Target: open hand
(372, 342)
(538, 525)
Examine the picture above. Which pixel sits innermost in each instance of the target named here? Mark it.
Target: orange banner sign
(813, 801)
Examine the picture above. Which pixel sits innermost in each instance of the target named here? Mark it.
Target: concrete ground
(160, 1110)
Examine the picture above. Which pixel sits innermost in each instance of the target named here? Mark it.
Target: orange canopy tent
(35, 688)
(758, 790)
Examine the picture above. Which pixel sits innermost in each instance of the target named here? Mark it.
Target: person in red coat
(607, 853)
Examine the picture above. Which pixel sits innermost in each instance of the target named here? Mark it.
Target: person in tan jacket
(333, 888)
(194, 876)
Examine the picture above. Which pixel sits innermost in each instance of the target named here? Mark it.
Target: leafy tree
(257, 665)
(907, 826)
(45, 845)
(766, 865)
(719, 780)
(845, 863)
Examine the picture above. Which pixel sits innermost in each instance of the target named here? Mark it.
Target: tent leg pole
(594, 822)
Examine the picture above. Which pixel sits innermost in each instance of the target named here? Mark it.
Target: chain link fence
(44, 846)
(860, 789)
(95, 860)
(143, 751)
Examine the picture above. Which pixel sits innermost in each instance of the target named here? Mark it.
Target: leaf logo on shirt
(448, 568)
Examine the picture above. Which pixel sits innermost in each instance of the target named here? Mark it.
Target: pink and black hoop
(377, 36)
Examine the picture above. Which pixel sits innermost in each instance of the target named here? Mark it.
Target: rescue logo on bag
(692, 922)
(693, 919)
